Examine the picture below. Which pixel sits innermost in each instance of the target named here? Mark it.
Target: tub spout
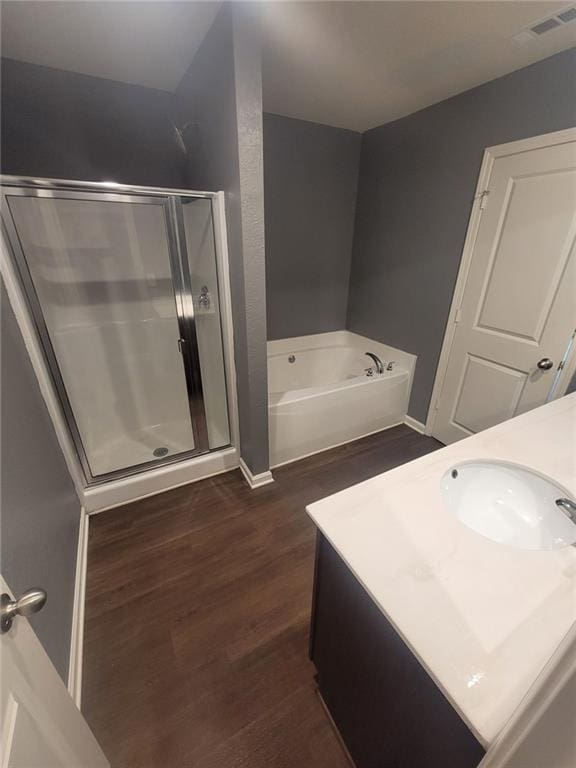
(377, 362)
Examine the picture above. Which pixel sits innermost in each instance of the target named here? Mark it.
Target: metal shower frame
(169, 200)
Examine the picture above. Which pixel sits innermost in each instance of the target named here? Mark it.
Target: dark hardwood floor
(197, 611)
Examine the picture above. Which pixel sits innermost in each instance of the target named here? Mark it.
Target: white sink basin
(510, 504)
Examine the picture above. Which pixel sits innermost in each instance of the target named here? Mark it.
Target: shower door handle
(204, 298)
(181, 343)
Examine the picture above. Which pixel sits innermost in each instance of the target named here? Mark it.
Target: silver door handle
(545, 364)
(32, 601)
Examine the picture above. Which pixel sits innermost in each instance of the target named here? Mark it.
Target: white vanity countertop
(483, 617)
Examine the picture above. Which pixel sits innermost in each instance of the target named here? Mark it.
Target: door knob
(32, 601)
(545, 364)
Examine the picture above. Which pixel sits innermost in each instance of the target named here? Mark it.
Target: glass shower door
(106, 278)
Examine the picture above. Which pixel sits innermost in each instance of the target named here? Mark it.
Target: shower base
(114, 493)
(137, 447)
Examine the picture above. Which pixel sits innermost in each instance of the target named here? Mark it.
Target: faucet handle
(390, 366)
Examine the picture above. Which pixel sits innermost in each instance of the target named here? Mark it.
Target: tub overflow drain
(292, 359)
(160, 451)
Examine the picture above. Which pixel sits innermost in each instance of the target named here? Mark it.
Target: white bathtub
(324, 397)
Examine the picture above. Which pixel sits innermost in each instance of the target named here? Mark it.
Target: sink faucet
(568, 507)
(377, 362)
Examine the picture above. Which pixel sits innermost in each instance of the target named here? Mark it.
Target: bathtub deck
(197, 611)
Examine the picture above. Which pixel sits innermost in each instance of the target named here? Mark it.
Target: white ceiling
(349, 64)
(360, 64)
(144, 43)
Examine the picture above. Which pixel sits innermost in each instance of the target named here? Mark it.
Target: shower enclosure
(122, 285)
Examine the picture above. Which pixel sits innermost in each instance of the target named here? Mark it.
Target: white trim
(534, 142)
(465, 262)
(490, 155)
(77, 634)
(99, 498)
(255, 481)
(414, 424)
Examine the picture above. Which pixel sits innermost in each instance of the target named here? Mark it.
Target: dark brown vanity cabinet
(388, 710)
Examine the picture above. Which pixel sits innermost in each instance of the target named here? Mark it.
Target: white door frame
(490, 155)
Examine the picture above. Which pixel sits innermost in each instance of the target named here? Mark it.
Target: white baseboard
(77, 638)
(414, 424)
(255, 481)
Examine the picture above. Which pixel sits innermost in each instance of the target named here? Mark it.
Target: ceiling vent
(543, 26)
(568, 15)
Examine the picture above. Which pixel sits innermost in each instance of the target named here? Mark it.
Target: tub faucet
(377, 362)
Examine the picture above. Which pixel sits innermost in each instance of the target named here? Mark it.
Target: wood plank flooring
(197, 611)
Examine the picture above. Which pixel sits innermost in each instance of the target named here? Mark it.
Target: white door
(41, 725)
(518, 307)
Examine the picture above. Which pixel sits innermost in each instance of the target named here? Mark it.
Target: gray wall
(310, 181)
(221, 98)
(417, 180)
(62, 125)
(40, 509)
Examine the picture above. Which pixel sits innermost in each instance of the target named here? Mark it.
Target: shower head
(179, 134)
